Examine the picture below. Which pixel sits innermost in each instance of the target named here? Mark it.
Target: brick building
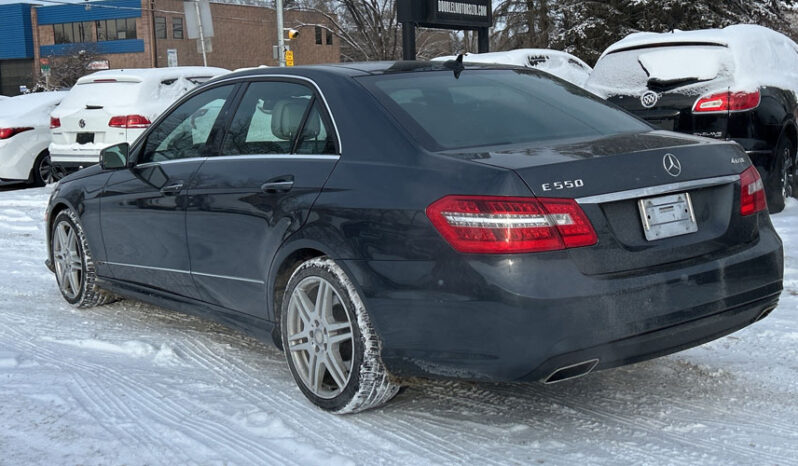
(143, 33)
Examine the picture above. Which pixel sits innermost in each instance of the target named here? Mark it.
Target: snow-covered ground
(131, 383)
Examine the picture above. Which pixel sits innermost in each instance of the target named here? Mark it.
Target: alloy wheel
(319, 335)
(786, 174)
(68, 260)
(46, 170)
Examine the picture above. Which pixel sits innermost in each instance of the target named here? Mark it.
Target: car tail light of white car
(499, 225)
(752, 192)
(55, 123)
(6, 133)
(727, 102)
(129, 121)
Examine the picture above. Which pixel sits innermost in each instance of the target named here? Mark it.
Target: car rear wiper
(656, 84)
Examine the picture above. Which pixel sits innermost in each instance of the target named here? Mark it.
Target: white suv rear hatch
(110, 107)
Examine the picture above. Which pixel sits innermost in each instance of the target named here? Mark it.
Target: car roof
(730, 36)
(359, 69)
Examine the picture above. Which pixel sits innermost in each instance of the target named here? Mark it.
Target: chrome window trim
(656, 190)
(167, 162)
(275, 156)
(251, 78)
(248, 280)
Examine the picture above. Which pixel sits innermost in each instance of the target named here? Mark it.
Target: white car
(114, 106)
(561, 64)
(24, 137)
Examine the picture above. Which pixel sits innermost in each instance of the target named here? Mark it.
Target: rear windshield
(634, 71)
(495, 107)
(116, 94)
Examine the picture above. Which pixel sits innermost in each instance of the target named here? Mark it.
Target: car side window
(315, 138)
(269, 118)
(186, 131)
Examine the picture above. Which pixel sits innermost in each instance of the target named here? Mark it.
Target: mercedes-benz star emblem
(82, 123)
(649, 99)
(672, 165)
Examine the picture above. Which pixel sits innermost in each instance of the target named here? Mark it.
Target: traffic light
(291, 33)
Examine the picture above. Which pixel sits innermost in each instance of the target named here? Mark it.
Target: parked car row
(44, 136)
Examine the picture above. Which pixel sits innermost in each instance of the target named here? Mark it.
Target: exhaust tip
(571, 372)
(765, 313)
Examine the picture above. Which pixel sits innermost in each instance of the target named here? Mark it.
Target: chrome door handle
(172, 188)
(281, 185)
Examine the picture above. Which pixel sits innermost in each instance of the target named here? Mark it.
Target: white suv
(110, 107)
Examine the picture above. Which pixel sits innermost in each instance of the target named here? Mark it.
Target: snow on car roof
(561, 64)
(730, 36)
(29, 109)
(143, 74)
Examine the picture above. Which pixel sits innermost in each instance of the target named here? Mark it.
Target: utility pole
(280, 39)
(201, 34)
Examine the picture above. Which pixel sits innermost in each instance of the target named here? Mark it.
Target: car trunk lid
(609, 176)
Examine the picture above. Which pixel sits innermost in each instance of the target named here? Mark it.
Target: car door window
(269, 118)
(186, 131)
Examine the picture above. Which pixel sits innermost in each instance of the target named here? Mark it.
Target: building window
(177, 28)
(318, 34)
(329, 37)
(160, 27)
(116, 29)
(72, 33)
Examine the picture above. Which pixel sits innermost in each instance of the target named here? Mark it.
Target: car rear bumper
(521, 318)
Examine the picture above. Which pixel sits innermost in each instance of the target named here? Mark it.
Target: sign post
(475, 15)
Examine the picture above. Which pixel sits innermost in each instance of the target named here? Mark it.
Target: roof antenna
(456, 65)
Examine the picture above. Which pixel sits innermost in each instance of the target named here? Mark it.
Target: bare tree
(67, 68)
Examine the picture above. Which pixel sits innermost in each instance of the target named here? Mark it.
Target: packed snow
(129, 383)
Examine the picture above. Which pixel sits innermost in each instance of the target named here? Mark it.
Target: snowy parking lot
(130, 383)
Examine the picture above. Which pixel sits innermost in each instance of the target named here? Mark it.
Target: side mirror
(114, 157)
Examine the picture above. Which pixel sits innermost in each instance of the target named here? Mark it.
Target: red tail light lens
(55, 123)
(727, 102)
(129, 121)
(6, 133)
(752, 192)
(499, 225)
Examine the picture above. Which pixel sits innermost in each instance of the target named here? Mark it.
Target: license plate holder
(84, 138)
(667, 216)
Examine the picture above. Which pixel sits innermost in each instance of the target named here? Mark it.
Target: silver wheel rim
(46, 170)
(320, 337)
(68, 260)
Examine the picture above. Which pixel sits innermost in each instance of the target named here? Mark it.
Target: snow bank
(560, 64)
(746, 57)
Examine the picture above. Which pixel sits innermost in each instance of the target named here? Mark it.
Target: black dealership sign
(446, 14)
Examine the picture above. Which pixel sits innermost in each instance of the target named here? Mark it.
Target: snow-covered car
(109, 107)
(24, 137)
(736, 83)
(561, 64)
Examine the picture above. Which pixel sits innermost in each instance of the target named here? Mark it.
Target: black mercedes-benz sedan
(383, 221)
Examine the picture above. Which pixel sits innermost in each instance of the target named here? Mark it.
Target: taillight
(6, 133)
(496, 225)
(727, 102)
(55, 123)
(129, 121)
(752, 192)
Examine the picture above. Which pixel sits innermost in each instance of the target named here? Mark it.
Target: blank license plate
(667, 216)
(84, 138)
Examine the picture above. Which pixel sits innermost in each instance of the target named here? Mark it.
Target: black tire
(41, 173)
(75, 273)
(367, 384)
(780, 179)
